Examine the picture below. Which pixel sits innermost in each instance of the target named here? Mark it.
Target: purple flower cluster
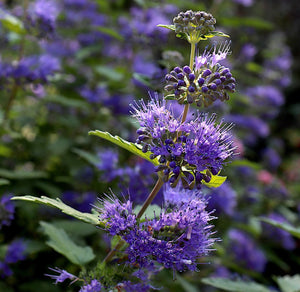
(94, 286)
(222, 199)
(15, 252)
(245, 251)
(31, 69)
(175, 239)
(205, 83)
(7, 210)
(42, 15)
(190, 150)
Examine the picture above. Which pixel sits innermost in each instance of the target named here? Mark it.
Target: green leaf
(22, 174)
(213, 34)
(170, 97)
(91, 158)
(61, 242)
(4, 182)
(66, 101)
(168, 26)
(110, 32)
(187, 286)
(11, 22)
(142, 78)
(289, 283)
(76, 228)
(246, 21)
(57, 203)
(110, 73)
(234, 286)
(215, 181)
(295, 231)
(131, 147)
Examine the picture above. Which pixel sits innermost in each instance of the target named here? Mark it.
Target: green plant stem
(192, 57)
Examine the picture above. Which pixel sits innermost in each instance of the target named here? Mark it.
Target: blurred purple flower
(245, 251)
(278, 235)
(271, 158)
(7, 210)
(43, 14)
(80, 201)
(246, 3)
(248, 51)
(222, 199)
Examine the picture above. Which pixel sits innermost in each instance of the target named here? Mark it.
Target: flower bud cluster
(190, 151)
(204, 84)
(190, 22)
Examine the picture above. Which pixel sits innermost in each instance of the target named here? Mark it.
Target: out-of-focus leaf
(5, 151)
(61, 242)
(246, 21)
(4, 181)
(188, 287)
(76, 228)
(245, 162)
(142, 78)
(131, 147)
(289, 283)
(57, 203)
(11, 22)
(22, 174)
(66, 101)
(234, 286)
(109, 73)
(110, 32)
(91, 158)
(295, 231)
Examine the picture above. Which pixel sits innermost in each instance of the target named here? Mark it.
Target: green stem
(192, 57)
(148, 201)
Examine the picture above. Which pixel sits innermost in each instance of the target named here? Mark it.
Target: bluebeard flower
(108, 164)
(222, 199)
(278, 235)
(203, 145)
(245, 251)
(176, 239)
(94, 286)
(267, 99)
(271, 158)
(248, 51)
(194, 24)
(119, 217)
(7, 210)
(43, 14)
(62, 275)
(178, 195)
(15, 252)
(206, 82)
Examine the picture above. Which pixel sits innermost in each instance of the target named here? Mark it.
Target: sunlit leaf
(289, 283)
(11, 22)
(131, 147)
(57, 203)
